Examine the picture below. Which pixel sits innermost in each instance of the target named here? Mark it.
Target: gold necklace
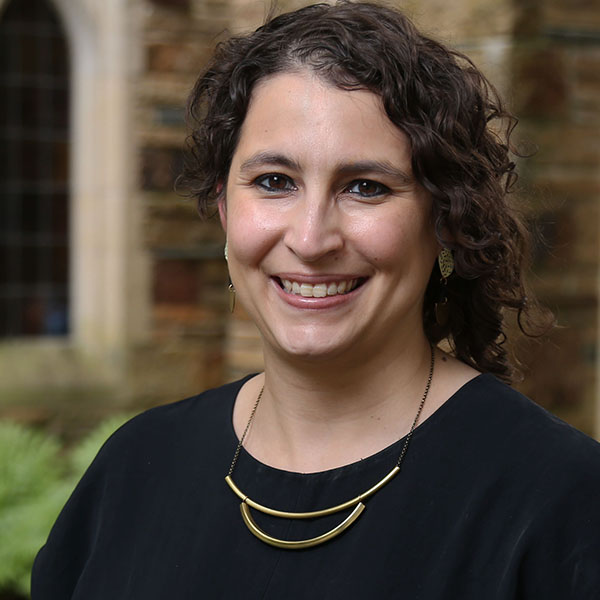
(356, 502)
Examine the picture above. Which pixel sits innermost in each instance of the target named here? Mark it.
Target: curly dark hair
(459, 133)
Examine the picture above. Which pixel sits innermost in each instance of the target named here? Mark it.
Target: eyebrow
(269, 158)
(376, 166)
(357, 167)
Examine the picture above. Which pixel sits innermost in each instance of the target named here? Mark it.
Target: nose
(315, 228)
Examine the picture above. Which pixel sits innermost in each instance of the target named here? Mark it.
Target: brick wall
(555, 85)
(545, 57)
(184, 350)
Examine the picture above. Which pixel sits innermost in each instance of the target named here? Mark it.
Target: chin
(313, 350)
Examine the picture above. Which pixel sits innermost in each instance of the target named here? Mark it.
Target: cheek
(250, 232)
(384, 238)
(398, 243)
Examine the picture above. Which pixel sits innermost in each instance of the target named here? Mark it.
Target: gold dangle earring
(446, 266)
(231, 297)
(231, 288)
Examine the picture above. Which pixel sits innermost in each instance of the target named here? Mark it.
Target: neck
(318, 414)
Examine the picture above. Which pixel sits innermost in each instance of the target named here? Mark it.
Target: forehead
(300, 114)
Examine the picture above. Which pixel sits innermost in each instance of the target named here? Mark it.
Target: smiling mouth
(320, 290)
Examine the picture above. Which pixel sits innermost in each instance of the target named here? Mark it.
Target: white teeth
(318, 290)
(306, 289)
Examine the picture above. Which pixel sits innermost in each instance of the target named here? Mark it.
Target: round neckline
(378, 456)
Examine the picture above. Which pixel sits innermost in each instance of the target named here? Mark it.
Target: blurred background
(113, 294)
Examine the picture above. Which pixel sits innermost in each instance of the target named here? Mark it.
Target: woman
(362, 192)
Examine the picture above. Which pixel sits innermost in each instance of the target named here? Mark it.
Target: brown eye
(367, 188)
(275, 182)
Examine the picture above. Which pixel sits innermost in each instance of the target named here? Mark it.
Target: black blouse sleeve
(61, 561)
(564, 561)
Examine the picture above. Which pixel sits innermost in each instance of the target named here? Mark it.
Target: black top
(497, 499)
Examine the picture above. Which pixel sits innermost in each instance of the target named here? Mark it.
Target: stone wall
(183, 352)
(544, 55)
(555, 90)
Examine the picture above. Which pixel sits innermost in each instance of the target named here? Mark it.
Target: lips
(321, 289)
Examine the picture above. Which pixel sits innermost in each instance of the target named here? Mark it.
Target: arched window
(34, 171)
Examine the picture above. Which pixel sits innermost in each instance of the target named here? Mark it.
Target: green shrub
(35, 482)
(31, 495)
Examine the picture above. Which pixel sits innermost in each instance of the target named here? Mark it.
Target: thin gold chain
(239, 446)
(421, 405)
(356, 504)
(404, 446)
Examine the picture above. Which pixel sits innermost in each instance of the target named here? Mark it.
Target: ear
(222, 205)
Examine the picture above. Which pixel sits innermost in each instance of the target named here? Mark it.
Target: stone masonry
(544, 55)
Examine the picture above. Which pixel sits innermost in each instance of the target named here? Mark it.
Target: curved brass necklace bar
(355, 503)
(315, 513)
(299, 544)
(320, 539)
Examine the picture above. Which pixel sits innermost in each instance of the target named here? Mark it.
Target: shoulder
(167, 439)
(531, 474)
(207, 402)
(132, 479)
(518, 415)
(171, 424)
(510, 427)
(547, 475)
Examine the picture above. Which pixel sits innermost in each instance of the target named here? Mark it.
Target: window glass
(34, 201)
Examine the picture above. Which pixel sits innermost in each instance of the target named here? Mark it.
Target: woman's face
(330, 239)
